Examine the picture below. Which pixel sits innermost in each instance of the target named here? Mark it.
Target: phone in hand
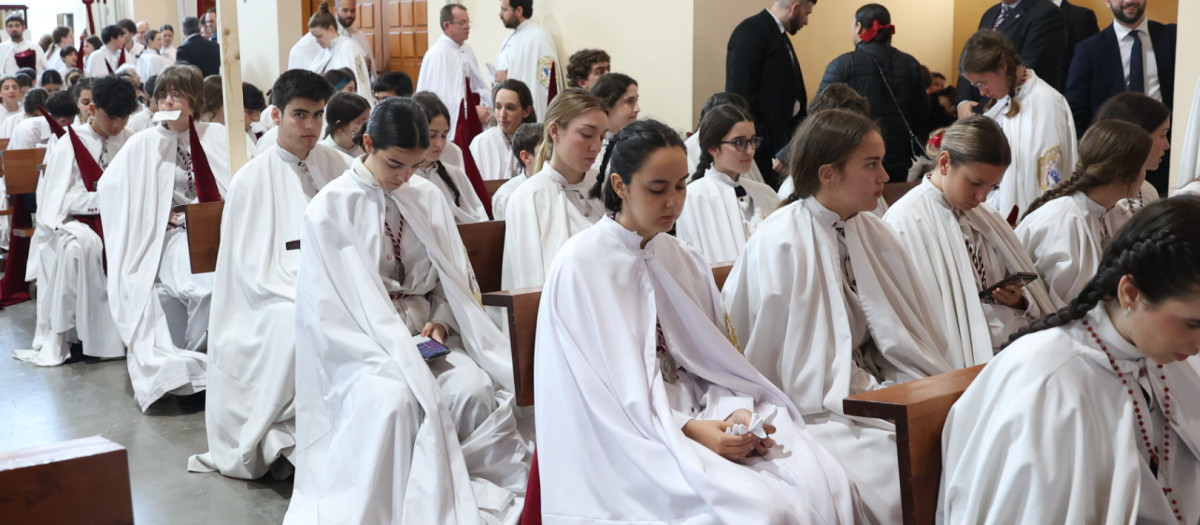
(1020, 278)
(430, 349)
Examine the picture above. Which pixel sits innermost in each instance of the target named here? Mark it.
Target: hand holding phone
(430, 349)
(1018, 280)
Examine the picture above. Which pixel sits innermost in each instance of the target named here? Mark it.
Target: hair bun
(324, 6)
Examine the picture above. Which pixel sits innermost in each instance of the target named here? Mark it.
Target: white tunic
(328, 142)
(493, 154)
(161, 308)
(827, 309)
(66, 258)
(936, 236)
(266, 141)
(445, 69)
(249, 414)
(360, 38)
(528, 54)
(8, 59)
(540, 216)
(788, 186)
(503, 193)
(345, 53)
(1062, 441)
(303, 52)
(693, 157)
(10, 123)
(104, 62)
(1190, 160)
(369, 412)
(610, 442)
(150, 63)
(140, 119)
(466, 206)
(1065, 239)
(717, 222)
(30, 133)
(1042, 138)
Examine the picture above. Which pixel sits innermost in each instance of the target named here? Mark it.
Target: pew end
(204, 234)
(893, 191)
(919, 409)
(521, 308)
(493, 185)
(79, 481)
(484, 242)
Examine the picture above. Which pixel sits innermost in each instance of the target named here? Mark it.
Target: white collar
(1119, 347)
(720, 176)
(825, 217)
(630, 239)
(583, 186)
(451, 42)
(364, 175)
(288, 156)
(1091, 208)
(1123, 31)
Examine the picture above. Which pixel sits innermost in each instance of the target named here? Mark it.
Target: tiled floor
(46, 405)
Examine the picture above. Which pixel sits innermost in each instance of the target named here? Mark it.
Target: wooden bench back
(79, 481)
(485, 248)
(919, 409)
(204, 234)
(21, 170)
(522, 309)
(493, 185)
(892, 191)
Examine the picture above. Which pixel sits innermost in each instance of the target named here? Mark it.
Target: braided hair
(626, 153)
(1159, 248)
(986, 52)
(433, 108)
(713, 127)
(1110, 152)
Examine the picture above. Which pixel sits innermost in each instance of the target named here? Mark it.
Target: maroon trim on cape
(55, 127)
(26, 58)
(90, 171)
(553, 84)
(206, 183)
(468, 128)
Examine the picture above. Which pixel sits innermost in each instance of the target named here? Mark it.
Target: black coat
(1081, 25)
(858, 69)
(1038, 29)
(202, 53)
(760, 67)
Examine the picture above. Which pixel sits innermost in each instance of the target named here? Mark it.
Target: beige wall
(1187, 71)
(712, 22)
(267, 29)
(156, 13)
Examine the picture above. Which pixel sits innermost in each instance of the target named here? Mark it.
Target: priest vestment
(528, 54)
(541, 215)
(721, 213)
(493, 154)
(345, 53)
(446, 70)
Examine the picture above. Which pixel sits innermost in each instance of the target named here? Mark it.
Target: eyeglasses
(740, 144)
(980, 84)
(464, 23)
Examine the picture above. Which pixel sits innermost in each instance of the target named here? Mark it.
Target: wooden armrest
(25, 233)
(522, 306)
(7, 211)
(182, 208)
(292, 245)
(78, 481)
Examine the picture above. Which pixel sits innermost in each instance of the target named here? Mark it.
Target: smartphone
(430, 349)
(1017, 278)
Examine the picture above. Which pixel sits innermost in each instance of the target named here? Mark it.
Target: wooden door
(367, 21)
(406, 28)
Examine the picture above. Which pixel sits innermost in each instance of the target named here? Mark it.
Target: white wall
(267, 30)
(1187, 73)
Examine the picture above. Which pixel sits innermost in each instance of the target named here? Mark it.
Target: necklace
(1158, 461)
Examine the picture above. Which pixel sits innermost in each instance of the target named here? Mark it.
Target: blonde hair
(986, 52)
(970, 140)
(567, 106)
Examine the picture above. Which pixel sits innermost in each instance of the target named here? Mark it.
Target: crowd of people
(342, 339)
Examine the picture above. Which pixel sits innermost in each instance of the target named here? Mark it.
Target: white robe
(160, 307)
(328, 142)
(788, 301)
(788, 186)
(30, 133)
(503, 193)
(716, 222)
(73, 301)
(1047, 434)
(140, 120)
(693, 157)
(469, 208)
(303, 52)
(8, 59)
(493, 155)
(1042, 138)
(10, 123)
(1189, 169)
(453, 155)
(364, 43)
(249, 414)
(369, 412)
(345, 53)
(100, 60)
(445, 68)
(541, 215)
(610, 443)
(528, 54)
(266, 141)
(1065, 239)
(932, 233)
(151, 63)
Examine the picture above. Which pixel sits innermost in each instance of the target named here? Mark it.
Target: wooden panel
(721, 272)
(484, 242)
(406, 14)
(3, 144)
(404, 35)
(919, 409)
(365, 17)
(79, 481)
(892, 191)
(493, 185)
(21, 170)
(204, 235)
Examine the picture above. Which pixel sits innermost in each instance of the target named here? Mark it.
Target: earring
(1126, 311)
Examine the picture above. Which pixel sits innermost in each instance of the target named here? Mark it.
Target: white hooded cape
(1190, 160)
(538, 220)
(374, 440)
(1063, 239)
(493, 154)
(249, 414)
(528, 54)
(786, 301)
(445, 70)
(610, 449)
(470, 208)
(931, 233)
(344, 52)
(712, 221)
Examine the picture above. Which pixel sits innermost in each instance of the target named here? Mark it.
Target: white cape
(445, 69)
(1063, 239)
(303, 52)
(493, 155)
(712, 221)
(503, 193)
(1046, 434)
(528, 54)
(931, 233)
(249, 414)
(345, 53)
(135, 197)
(786, 301)
(538, 220)
(374, 440)
(470, 208)
(1190, 160)
(1042, 137)
(609, 447)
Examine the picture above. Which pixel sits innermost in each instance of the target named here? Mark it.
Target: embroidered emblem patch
(544, 66)
(1050, 168)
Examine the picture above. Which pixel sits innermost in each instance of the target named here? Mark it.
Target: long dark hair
(398, 122)
(433, 108)
(1159, 248)
(715, 125)
(1110, 151)
(610, 87)
(523, 94)
(626, 153)
(826, 137)
(870, 13)
(1135, 108)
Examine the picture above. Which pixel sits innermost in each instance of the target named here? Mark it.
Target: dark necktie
(1137, 64)
(1001, 17)
(739, 191)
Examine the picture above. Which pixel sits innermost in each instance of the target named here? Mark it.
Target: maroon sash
(468, 128)
(26, 58)
(55, 127)
(206, 183)
(90, 171)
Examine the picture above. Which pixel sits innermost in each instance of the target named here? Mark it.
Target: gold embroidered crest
(1050, 168)
(731, 334)
(545, 65)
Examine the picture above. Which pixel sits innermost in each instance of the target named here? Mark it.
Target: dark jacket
(1081, 25)
(1038, 29)
(202, 53)
(859, 69)
(761, 67)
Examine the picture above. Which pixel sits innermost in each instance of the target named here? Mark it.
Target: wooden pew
(892, 191)
(522, 308)
(919, 409)
(493, 185)
(21, 178)
(78, 481)
(204, 234)
(485, 249)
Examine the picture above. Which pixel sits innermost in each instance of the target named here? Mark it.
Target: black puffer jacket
(857, 69)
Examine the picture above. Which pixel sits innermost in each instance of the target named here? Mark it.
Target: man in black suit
(1081, 25)
(761, 66)
(1132, 54)
(197, 50)
(1038, 30)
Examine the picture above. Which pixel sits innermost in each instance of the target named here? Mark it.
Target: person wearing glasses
(1035, 117)
(723, 207)
(449, 67)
